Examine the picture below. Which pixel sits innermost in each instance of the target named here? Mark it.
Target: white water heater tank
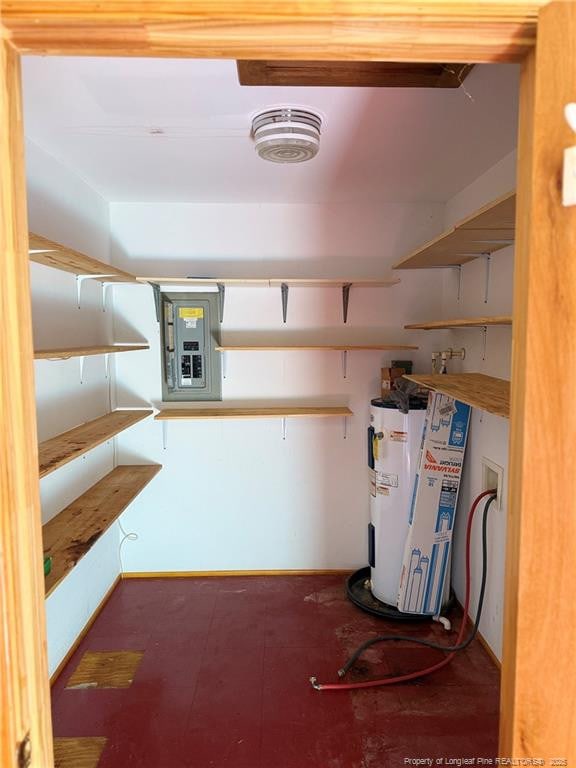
(394, 441)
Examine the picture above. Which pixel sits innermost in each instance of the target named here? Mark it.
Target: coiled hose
(450, 649)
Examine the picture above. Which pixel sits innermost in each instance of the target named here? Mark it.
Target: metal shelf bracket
(221, 297)
(345, 300)
(284, 291)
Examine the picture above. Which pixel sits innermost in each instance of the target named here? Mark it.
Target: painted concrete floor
(223, 682)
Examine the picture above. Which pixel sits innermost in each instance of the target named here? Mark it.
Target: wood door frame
(534, 724)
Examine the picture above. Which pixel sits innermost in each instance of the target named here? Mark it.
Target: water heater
(394, 443)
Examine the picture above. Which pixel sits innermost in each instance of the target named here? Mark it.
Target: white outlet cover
(488, 464)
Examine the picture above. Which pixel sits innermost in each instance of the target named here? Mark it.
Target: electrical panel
(190, 332)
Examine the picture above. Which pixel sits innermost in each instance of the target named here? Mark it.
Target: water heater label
(388, 480)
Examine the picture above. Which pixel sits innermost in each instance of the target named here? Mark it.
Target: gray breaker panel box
(191, 366)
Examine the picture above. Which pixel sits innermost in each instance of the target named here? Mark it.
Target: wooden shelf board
(60, 450)
(471, 322)
(64, 353)
(44, 251)
(308, 347)
(486, 231)
(476, 389)
(268, 282)
(252, 413)
(72, 532)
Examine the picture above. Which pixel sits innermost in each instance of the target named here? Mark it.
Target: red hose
(428, 670)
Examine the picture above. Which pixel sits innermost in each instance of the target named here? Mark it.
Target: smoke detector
(287, 134)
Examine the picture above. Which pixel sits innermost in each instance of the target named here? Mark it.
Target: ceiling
(173, 130)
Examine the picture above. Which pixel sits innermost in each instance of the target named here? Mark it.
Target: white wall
(489, 434)
(62, 207)
(234, 494)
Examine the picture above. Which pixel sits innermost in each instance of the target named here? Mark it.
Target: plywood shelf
(484, 232)
(252, 413)
(65, 353)
(60, 450)
(268, 282)
(73, 532)
(52, 254)
(476, 389)
(308, 347)
(470, 322)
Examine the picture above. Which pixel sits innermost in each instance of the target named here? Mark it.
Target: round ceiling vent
(286, 134)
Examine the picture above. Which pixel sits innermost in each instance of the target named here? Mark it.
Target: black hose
(429, 643)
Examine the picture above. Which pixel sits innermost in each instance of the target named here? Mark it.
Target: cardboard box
(433, 508)
(388, 379)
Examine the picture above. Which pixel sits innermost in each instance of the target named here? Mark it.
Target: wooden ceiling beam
(318, 30)
(353, 74)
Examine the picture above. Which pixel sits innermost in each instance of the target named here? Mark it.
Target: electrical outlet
(493, 477)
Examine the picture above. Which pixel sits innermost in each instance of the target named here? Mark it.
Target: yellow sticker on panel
(188, 313)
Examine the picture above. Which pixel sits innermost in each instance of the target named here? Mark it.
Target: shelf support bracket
(284, 428)
(345, 427)
(487, 277)
(344, 363)
(459, 294)
(80, 279)
(224, 361)
(221, 296)
(345, 300)
(105, 286)
(156, 291)
(165, 435)
(81, 361)
(107, 366)
(284, 290)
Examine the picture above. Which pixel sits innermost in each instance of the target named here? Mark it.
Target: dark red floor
(224, 681)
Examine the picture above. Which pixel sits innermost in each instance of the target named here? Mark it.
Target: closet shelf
(251, 413)
(484, 232)
(60, 450)
(470, 322)
(476, 389)
(306, 347)
(65, 353)
(268, 282)
(44, 251)
(73, 532)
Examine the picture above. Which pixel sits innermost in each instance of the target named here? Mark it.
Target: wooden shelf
(251, 413)
(44, 251)
(484, 232)
(60, 450)
(65, 353)
(471, 322)
(480, 391)
(72, 533)
(307, 347)
(267, 282)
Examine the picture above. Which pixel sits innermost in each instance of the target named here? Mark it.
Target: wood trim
(211, 574)
(351, 74)
(539, 665)
(389, 30)
(85, 629)
(24, 692)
